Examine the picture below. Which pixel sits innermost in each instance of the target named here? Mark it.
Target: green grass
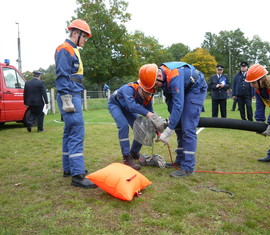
(36, 199)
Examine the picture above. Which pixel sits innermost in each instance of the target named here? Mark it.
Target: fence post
(84, 99)
(52, 101)
(163, 98)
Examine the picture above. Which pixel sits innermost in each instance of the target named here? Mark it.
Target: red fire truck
(12, 108)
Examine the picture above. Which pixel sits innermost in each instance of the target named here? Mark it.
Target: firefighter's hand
(68, 106)
(158, 122)
(165, 135)
(267, 131)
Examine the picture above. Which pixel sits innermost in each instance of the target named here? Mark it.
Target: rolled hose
(230, 123)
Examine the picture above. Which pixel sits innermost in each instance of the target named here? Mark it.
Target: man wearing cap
(219, 84)
(69, 72)
(258, 79)
(243, 93)
(35, 96)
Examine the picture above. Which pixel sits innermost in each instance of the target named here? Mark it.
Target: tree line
(114, 56)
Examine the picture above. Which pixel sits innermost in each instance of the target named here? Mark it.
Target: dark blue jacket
(178, 78)
(260, 105)
(35, 93)
(219, 93)
(67, 64)
(242, 88)
(127, 97)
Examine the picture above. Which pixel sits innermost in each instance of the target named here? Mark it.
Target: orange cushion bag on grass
(119, 180)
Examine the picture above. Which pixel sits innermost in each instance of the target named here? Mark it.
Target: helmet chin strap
(259, 84)
(79, 38)
(162, 80)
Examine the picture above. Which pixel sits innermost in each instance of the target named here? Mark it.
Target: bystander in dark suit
(219, 84)
(243, 92)
(35, 97)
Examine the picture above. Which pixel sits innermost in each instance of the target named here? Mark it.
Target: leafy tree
(229, 48)
(202, 60)
(49, 77)
(178, 51)
(27, 75)
(107, 54)
(148, 49)
(232, 47)
(259, 51)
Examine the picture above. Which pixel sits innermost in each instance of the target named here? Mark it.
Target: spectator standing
(243, 93)
(35, 96)
(106, 90)
(219, 84)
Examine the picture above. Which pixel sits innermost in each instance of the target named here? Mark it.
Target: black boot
(29, 129)
(81, 181)
(266, 159)
(68, 173)
(128, 160)
(135, 156)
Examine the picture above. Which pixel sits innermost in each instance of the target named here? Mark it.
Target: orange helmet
(81, 25)
(255, 72)
(149, 90)
(148, 74)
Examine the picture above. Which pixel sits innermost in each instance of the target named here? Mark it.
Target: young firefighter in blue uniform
(126, 103)
(185, 90)
(257, 77)
(69, 71)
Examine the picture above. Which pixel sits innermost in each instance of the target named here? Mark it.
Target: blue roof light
(7, 61)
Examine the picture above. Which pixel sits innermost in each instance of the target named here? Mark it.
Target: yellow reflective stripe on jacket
(80, 70)
(266, 102)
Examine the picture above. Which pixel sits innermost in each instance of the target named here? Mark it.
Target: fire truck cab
(12, 108)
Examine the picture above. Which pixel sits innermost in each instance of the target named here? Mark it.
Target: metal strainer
(144, 131)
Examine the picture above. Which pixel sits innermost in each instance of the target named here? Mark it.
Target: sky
(42, 24)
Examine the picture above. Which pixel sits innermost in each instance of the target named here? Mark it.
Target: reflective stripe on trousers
(186, 130)
(73, 137)
(123, 120)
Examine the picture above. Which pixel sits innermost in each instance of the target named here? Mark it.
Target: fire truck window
(20, 82)
(13, 79)
(10, 77)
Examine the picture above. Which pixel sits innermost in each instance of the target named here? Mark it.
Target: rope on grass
(228, 173)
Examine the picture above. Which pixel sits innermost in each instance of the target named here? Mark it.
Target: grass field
(36, 199)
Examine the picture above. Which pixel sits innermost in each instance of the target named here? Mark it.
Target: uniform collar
(71, 43)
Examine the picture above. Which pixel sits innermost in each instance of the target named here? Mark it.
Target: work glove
(68, 106)
(165, 135)
(267, 131)
(158, 122)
